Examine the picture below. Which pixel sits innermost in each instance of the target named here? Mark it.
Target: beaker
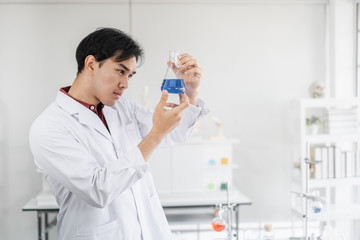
(172, 83)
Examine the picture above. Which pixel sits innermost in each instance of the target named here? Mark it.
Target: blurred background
(258, 56)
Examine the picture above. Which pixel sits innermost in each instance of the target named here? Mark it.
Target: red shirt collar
(96, 109)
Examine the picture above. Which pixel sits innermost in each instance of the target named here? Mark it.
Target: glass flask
(316, 204)
(218, 223)
(172, 83)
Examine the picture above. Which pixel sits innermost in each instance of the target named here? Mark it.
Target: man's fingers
(195, 71)
(170, 63)
(174, 65)
(190, 63)
(185, 57)
(184, 103)
(171, 105)
(184, 98)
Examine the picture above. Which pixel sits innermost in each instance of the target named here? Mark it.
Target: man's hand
(163, 122)
(166, 120)
(191, 73)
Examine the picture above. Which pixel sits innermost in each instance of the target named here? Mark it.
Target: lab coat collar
(85, 116)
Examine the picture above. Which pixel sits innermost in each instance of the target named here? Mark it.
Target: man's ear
(90, 64)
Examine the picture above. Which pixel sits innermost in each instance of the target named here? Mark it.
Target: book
(338, 164)
(325, 162)
(350, 164)
(357, 164)
(331, 162)
(318, 167)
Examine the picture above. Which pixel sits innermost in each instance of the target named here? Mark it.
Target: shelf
(334, 182)
(200, 140)
(351, 211)
(328, 103)
(334, 212)
(223, 166)
(329, 182)
(325, 138)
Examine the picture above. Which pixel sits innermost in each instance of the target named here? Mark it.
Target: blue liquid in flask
(173, 86)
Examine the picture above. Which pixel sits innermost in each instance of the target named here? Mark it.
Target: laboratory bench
(178, 207)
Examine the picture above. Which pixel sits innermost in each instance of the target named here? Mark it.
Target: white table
(199, 207)
(192, 206)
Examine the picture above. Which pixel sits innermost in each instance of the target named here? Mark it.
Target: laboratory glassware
(173, 83)
(316, 204)
(218, 223)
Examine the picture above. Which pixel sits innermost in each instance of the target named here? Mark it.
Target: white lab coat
(100, 180)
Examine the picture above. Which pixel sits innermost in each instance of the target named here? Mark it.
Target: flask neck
(174, 57)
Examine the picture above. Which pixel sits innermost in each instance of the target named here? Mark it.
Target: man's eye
(121, 71)
(130, 76)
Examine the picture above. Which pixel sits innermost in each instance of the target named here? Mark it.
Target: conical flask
(172, 83)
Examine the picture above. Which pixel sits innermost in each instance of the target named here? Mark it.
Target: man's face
(112, 78)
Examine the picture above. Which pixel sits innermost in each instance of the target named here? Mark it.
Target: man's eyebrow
(127, 69)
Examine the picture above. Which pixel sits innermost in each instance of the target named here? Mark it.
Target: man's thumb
(164, 97)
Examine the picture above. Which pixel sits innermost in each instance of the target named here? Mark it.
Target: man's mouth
(117, 94)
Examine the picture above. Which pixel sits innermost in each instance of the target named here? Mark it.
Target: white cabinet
(337, 177)
(197, 166)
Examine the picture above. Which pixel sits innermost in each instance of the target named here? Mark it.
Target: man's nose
(124, 83)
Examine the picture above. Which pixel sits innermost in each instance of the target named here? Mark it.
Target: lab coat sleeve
(180, 134)
(190, 117)
(59, 154)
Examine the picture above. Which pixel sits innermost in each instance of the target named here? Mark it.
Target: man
(93, 145)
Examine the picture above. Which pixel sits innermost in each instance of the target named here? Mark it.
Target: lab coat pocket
(106, 231)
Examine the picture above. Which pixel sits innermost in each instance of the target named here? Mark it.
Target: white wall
(342, 31)
(3, 172)
(256, 58)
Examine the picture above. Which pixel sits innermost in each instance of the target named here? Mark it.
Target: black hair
(106, 43)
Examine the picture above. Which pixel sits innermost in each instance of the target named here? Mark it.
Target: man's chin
(110, 103)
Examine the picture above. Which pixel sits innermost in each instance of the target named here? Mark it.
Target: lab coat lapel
(114, 123)
(85, 116)
(89, 118)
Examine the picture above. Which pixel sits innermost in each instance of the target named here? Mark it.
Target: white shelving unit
(339, 190)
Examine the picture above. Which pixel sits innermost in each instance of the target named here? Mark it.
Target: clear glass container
(172, 83)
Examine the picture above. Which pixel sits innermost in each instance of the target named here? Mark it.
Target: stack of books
(343, 121)
(335, 163)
